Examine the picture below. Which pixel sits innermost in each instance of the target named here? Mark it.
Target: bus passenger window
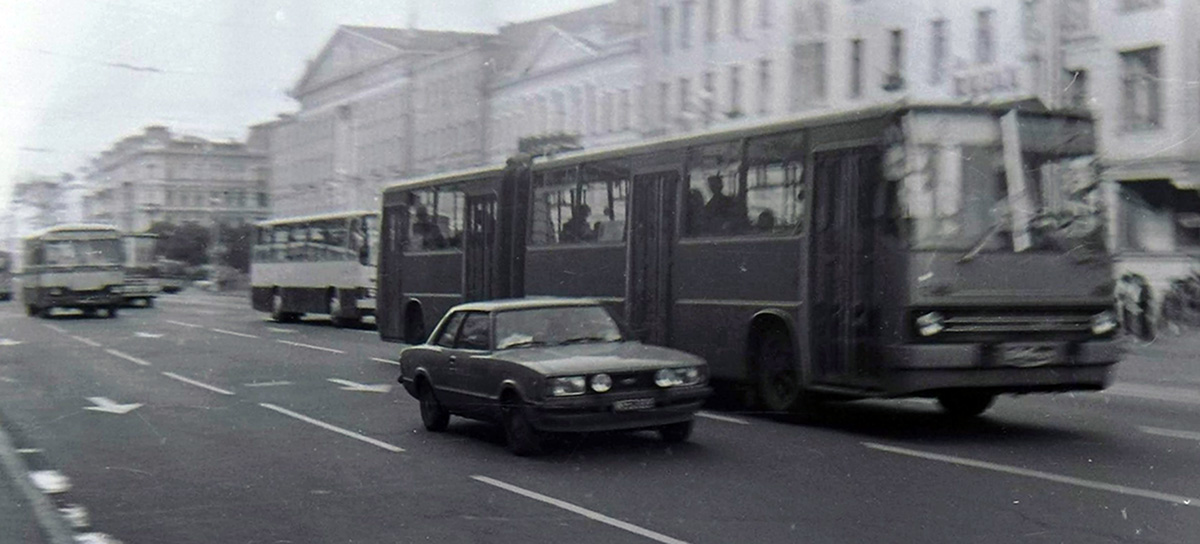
(764, 195)
(436, 219)
(716, 202)
(580, 205)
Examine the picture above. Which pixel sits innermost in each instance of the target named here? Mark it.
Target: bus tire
(112, 312)
(337, 310)
(676, 433)
(32, 310)
(777, 381)
(965, 404)
(277, 313)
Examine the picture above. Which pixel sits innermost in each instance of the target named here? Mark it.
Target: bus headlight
(1104, 323)
(931, 323)
(567, 386)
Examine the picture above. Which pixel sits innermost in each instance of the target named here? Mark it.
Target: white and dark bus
(77, 266)
(321, 264)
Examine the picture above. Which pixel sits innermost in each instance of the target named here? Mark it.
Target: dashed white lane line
(1018, 471)
(719, 417)
(29, 451)
(388, 361)
(334, 428)
(1187, 435)
(233, 333)
(310, 346)
(275, 383)
(1154, 392)
(56, 328)
(183, 324)
(590, 514)
(127, 357)
(87, 341)
(281, 330)
(201, 385)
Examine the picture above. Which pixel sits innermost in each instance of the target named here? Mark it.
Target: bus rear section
(76, 267)
(316, 265)
(142, 284)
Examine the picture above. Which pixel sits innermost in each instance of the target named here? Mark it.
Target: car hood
(598, 357)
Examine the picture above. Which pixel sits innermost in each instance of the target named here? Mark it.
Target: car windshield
(555, 326)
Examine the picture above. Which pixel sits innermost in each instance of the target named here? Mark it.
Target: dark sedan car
(540, 366)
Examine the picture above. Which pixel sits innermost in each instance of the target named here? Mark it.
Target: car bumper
(595, 413)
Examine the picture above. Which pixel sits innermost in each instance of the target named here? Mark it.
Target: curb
(53, 525)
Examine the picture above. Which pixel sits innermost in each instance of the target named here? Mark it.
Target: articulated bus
(323, 264)
(77, 266)
(943, 251)
(141, 275)
(6, 276)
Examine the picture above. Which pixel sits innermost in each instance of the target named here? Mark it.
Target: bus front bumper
(1013, 367)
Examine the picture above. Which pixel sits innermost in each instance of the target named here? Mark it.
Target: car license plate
(633, 404)
(1029, 355)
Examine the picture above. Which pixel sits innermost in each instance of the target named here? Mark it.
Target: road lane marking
(1018, 471)
(310, 346)
(388, 361)
(190, 381)
(29, 451)
(233, 333)
(1154, 392)
(87, 341)
(281, 330)
(334, 428)
(56, 328)
(348, 385)
(127, 357)
(141, 334)
(103, 404)
(590, 514)
(182, 324)
(267, 384)
(719, 417)
(1189, 435)
(10, 342)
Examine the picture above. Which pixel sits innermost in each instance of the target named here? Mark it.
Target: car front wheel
(676, 432)
(523, 440)
(434, 416)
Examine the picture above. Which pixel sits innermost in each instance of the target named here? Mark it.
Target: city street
(202, 421)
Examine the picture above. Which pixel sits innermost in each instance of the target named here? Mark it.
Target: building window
(626, 106)
(590, 97)
(1141, 99)
(685, 24)
(1075, 93)
(664, 103)
(1140, 5)
(937, 51)
(856, 68)
(735, 91)
(735, 17)
(764, 86)
(684, 97)
(764, 13)
(710, 21)
(985, 46)
(808, 75)
(665, 30)
(895, 73)
(710, 90)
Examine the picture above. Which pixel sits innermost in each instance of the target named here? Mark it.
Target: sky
(76, 76)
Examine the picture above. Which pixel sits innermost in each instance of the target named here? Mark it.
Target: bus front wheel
(776, 375)
(965, 404)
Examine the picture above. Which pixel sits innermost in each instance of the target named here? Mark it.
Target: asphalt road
(201, 421)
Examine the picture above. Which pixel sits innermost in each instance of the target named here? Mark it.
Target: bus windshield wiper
(983, 241)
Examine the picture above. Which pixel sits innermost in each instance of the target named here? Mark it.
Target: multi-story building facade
(158, 176)
(1135, 64)
(377, 105)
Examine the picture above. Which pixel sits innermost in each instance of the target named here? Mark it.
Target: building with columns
(159, 176)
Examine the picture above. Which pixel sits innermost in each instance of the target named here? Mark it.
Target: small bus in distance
(78, 266)
(322, 264)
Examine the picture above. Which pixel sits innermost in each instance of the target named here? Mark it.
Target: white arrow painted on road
(7, 342)
(348, 385)
(104, 405)
(147, 334)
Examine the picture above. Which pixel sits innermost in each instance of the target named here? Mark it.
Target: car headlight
(567, 386)
(931, 323)
(671, 377)
(601, 383)
(1104, 323)
(56, 291)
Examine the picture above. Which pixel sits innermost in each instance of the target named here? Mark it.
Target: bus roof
(318, 217)
(73, 228)
(747, 129)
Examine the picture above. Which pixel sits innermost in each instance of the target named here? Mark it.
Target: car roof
(523, 304)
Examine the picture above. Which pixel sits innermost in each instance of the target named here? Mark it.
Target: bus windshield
(83, 252)
(966, 195)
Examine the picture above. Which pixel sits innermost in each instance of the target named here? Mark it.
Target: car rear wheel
(966, 404)
(434, 416)
(523, 440)
(676, 432)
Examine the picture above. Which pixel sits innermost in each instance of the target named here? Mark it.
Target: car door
(439, 362)
(469, 359)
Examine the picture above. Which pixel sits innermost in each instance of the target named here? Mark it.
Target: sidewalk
(26, 515)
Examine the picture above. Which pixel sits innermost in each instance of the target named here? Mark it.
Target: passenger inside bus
(577, 228)
(426, 234)
(722, 214)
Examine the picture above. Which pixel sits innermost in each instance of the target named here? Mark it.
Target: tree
(188, 242)
(236, 241)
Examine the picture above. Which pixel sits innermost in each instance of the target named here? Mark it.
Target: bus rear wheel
(277, 313)
(965, 404)
(776, 376)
